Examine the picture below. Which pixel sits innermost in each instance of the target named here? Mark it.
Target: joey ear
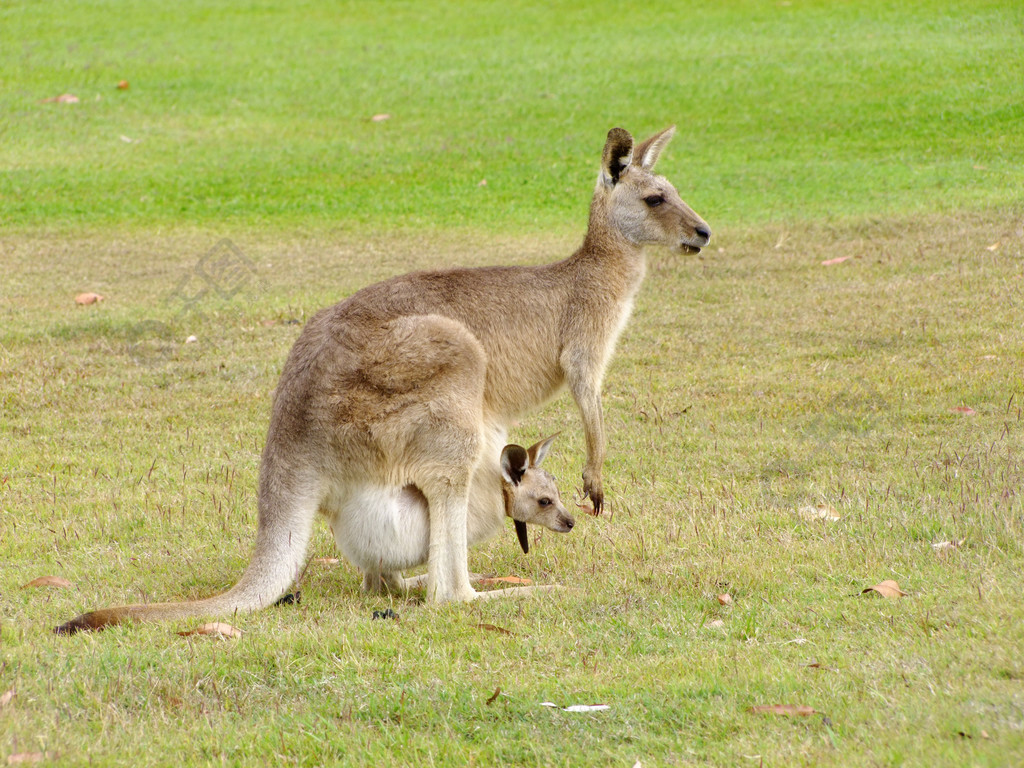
(514, 463)
(618, 154)
(650, 150)
(538, 451)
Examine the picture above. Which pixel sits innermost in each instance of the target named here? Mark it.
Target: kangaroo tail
(285, 523)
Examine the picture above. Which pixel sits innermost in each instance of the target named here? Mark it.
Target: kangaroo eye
(654, 201)
(545, 502)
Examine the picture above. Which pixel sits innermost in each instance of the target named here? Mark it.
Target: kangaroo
(412, 383)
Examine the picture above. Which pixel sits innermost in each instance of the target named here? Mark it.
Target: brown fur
(413, 381)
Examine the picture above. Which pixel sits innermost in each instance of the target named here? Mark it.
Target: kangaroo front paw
(592, 487)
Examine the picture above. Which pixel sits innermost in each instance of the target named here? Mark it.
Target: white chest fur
(384, 529)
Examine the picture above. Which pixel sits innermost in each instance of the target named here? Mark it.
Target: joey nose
(702, 230)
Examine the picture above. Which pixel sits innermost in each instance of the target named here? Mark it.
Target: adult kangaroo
(409, 385)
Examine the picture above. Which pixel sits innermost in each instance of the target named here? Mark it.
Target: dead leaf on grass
(494, 628)
(6, 698)
(64, 98)
(29, 757)
(214, 629)
(577, 707)
(84, 299)
(725, 599)
(48, 581)
(122, 85)
(783, 709)
(326, 560)
(836, 260)
(819, 512)
(993, 247)
(381, 117)
(963, 409)
(494, 696)
(505, 580)
(951, 544)
(589, 509)
(887, 588)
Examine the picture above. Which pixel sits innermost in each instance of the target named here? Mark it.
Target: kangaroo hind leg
(442, 439)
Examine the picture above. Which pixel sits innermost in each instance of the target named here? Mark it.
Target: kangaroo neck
(609, 260)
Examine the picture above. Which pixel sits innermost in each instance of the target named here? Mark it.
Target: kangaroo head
(531, 495)
(641, 206)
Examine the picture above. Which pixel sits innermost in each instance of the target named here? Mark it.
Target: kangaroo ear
(618, 154)
(650, 150)
(514, 463)
(538, 451)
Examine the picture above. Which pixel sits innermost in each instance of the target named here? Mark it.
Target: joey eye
(545, 502)
(654, 201)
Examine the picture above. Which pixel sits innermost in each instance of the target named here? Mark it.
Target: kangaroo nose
(703, 231)
(570, 523)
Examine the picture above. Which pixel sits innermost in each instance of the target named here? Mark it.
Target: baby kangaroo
(393, 403)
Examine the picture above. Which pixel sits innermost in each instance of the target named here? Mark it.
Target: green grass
(753, 381)
(259, 114)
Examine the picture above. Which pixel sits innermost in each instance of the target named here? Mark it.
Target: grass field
(754, 383)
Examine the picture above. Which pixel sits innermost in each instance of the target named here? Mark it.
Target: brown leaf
(887, 588)
(589, 509)
(381, 117)
(965, 410)
(494, 696)
(214, 629)
(505, 580)
(6, 698)
(122, 85)
(819, 512)
(725, 599)
(48, 581)
(64, 98)
(325, 560)
(952, 544)
(783, 709)
(29, 757)
(88, 298)
(493, 628)
(836, 260)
